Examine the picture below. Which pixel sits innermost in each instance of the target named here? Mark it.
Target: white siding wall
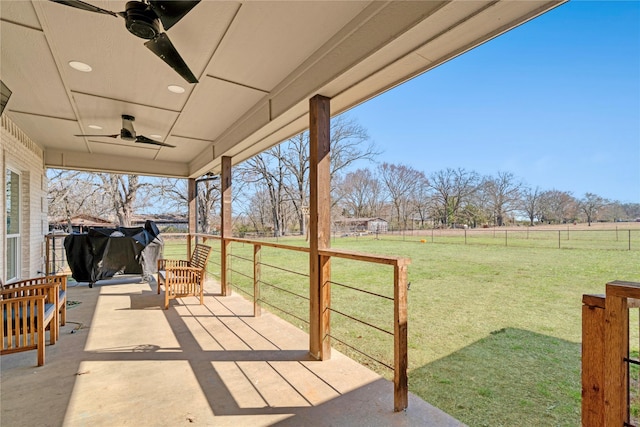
(21, 154)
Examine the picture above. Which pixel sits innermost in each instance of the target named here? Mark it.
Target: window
(13, 224)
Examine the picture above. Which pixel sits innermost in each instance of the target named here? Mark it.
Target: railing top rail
(594, 300)
(339, 253)
(268, 244)
(623, 289)
(359, 256)
(206, 236)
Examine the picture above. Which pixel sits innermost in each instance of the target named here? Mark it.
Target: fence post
(616, 339)
(593, 309)
(47, 268)
(505, 238)
(226, 227)
(629, 239)
(257, 311)
(558, 239)
(401, 360)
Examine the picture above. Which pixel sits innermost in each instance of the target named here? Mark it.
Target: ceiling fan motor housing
(126, 135)
(141, 20)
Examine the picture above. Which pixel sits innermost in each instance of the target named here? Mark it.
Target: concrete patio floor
(122, 360)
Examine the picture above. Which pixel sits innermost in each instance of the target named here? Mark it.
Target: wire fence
(567, 238)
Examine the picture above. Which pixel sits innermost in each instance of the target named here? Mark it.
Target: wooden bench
(182, 278)
(61, 301)
(27, 311)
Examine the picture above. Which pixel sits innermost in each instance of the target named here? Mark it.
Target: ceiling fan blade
(170, 12)
(144, 140)
(164, 49)
(103, 136)
(85, 6)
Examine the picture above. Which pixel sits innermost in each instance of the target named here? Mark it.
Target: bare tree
(284, 169)
(401, 183)
(557, 206)
(349, 143)
(268, 171)
(360, 193)
(530, 203)
(590, 205)
(452, 188)
(116, 196)
(296, 160)
(259, 210)
(73, 192)
(502, 194)
(174, 193)
(422, 203)
(123, 192)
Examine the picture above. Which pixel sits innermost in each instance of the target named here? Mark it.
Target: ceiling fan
(147, 19)
(127, 133)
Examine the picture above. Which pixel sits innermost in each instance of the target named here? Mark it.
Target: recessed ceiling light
(175, 89)
(95, 127)
(155, 135)
(80, 66)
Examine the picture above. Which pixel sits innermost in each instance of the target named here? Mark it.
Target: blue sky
(555, 101)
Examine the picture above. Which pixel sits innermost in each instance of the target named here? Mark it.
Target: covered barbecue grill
(101, 253)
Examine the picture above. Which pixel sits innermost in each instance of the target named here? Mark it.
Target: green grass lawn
(494, 331)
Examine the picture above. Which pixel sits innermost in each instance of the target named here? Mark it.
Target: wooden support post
(257, 311)
(616, 338)
(225, 214)
(319, 227)
(593, 360)
(401, 360)
(193, 213)
(47, 267)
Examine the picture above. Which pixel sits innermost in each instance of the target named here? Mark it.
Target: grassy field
(494, 331)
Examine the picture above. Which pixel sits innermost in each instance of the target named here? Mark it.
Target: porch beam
(319, 227)
(225, 214)
(193, 212)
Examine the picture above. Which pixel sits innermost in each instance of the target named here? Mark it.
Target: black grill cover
(102, 253)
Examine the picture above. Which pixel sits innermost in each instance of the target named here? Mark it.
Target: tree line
(270, 192)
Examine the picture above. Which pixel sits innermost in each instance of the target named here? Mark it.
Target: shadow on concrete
(130, 361)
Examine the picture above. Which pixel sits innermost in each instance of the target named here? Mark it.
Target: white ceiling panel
(117, 147)
(270, 39)
(43, 91)
(50, 132)
(213, 107)
(186, 151)
(17, 13)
